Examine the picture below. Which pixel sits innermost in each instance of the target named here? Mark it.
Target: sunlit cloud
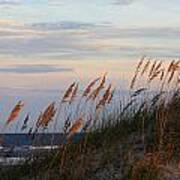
(9, 22)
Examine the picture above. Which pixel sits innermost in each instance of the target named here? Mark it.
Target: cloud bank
(81, 40)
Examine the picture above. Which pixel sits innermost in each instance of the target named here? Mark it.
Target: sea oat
(152, 68)
(158, 66)
(47, 115)
(74, 93)
(96, 92)
(146, 66)
(137, 71)
(140, 63)
(88, 89)
(172, 69)
(39, 119)
(154, 75)
(68, 92)
(105, 97)
(171, 65)
(15, 112)
(75, 127)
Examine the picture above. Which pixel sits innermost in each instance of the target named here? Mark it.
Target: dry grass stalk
(24, 126)
(152, 69)
(39, 119)
(171, 76)
(111, 96)
(30, 131)
(173, 68)
(171, 65)
(74, 93)
(127, 106)
(75, 127)
(68, 92)
(47, 116)
(162, 74)
(105, 98)
(178, 79)
(157, 98)
(137, 71)
(89, 87)
(96, 92)
(67, 125)
(155, 71)
(140, 63)
(155, 75)
(157, 68)
(146, 66)
(138, 92)
(103, 80)
(15, 112)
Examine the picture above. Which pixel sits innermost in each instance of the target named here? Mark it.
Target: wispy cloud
(10, 2)
(124, 2)
(65, 25)
(33, 69)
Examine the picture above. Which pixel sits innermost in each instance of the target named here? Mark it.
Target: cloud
(14, 29)
(55, 2)
(10, 2)
(124, 2)
(79, 40)
(140, 32)
(63, 25)
(33, 69)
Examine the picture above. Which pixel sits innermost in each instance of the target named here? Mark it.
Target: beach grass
(138, 139)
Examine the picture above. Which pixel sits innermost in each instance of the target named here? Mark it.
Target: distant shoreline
(41, 139)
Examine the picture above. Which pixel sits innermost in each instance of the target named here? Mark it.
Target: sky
(96, 29)
(46, 44)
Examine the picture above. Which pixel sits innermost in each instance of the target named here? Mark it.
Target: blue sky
(121, 12)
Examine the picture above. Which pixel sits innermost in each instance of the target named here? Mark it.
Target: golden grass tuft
(68, 92)
(89, 87)
(46, 116)
(15, 112)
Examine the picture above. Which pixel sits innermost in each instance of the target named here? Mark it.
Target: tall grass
(138, 139)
